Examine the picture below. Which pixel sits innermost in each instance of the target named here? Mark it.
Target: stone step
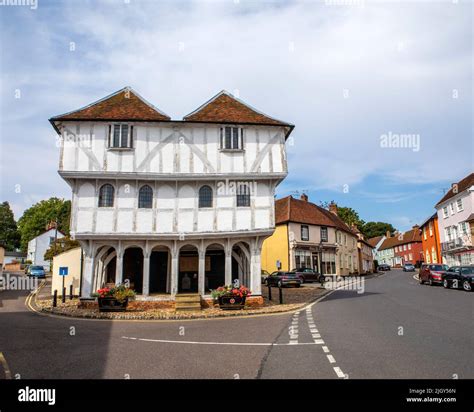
(188, 298)
(188, 307)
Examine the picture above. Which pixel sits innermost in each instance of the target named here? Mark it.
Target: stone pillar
(87, 274)
(228, 264)
(119, 268)
(174, 269)
(255, 270)
(202, 272)
(146, 273)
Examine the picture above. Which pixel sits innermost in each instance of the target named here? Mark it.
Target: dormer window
(232, 138)
(120, 136)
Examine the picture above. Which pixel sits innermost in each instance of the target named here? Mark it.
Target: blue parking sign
(63, 270)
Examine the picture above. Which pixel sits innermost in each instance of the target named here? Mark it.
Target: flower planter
(109, 304)
(231, 302)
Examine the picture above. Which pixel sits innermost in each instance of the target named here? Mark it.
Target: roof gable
(293, 210)
(461, 186)
(225, 108)
(125, 104)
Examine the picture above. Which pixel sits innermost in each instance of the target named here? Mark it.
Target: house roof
(124, 104)
(432, 217)
(411, 236)
(226, 108)
(470, 218)
(293, 210)
(374, 240)
(14, 254)
(461, 186)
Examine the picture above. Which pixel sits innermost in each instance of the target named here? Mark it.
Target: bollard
(281, 294)
(70, 292)
(63, 297)
(269, 292)
(55, 298)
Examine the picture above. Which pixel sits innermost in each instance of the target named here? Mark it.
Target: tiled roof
(124, 104)
(462, 185)
(225, 108)
(374, 240)
(432, 217)
(413, 235)
(289, 209)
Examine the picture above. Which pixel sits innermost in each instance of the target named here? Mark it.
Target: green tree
(9, 235)
(348, 215)
(372, 229)
(36, 219)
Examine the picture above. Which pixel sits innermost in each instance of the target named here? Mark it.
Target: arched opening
(205, 196)
(160, 270)
(241, 263)
(104, 272)
(145, 197)
(106, 195)
(188, 269)
(133, 268)
(214, 267)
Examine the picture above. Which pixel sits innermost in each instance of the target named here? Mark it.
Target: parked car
(281, 279)
(265, 275)
(459, 277)
(308, 275)
(408, 267)
(383, 267)
(432, 273)
(36, 271)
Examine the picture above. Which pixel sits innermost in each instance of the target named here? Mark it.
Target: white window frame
(129, 136)
(459, 202)
(445, 212)
(240, 138)
(451, 207)
(430, 226)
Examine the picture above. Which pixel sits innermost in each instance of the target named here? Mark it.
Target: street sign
(63, 271)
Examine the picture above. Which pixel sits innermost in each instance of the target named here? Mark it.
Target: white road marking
(318, 341)
(218, 343)
(339, 372)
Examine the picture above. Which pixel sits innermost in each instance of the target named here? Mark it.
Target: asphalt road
(395, 329)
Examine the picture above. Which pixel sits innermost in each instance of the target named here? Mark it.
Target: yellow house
(307, 235)
(72, 260)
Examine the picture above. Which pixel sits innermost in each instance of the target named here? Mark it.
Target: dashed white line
(331, 359)
(339, 372)
(325, 349)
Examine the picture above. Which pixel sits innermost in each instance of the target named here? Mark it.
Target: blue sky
(345, 75)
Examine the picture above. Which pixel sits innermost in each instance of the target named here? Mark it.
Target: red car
(432, 273)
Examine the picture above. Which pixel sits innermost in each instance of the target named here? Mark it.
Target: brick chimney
(304, 197)
(415, 227)
(333, 208)
(387, 234)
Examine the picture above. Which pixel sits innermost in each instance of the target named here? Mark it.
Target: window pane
(228, 131)
(106, 196)
(124, 135)
(243, 196)
(145, 197)
(116, 139)
(235, 138)
(205, 197)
